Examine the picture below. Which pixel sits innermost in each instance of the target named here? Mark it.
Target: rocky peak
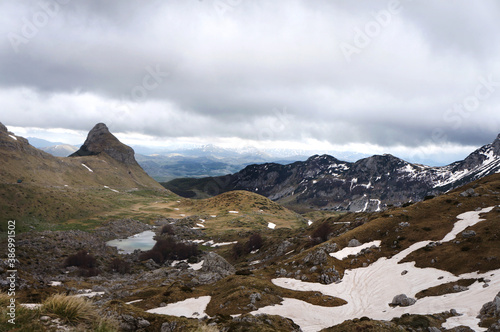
(3, 128)
(496, 145)
(100, 140)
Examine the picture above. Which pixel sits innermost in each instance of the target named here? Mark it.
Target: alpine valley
(94, 243)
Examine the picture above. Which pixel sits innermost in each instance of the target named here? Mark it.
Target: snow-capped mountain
(369, 184)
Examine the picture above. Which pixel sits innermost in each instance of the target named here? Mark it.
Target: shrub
(169, 249)
(167, 229)
(81, 259)
(321, 233)
(78, 310)
(72, 309)
(88, 272)
(238, 250)
(255, 242)
(150, 254)
(119, 265)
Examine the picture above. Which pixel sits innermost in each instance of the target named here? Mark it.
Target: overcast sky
(418, 79)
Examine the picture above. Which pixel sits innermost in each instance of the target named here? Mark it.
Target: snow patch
(190, 308)
(13, 137)
(347, 251)
(55, 283)
(90, 170)
(234, 212)
(271, 225)
(114, 190)
(134, 301)
(369, 290)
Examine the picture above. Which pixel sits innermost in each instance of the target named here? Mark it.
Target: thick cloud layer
(385, 73)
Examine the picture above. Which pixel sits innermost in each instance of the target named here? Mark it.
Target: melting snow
(309, 222)
(213, 245)
(13, 137)
(191, 308)
(134, 301)
(271, 225)
(55, 283)
(347, 251)
(200, 225)
(233, 212)
(116, 191)
(87, 168)
(369, 290)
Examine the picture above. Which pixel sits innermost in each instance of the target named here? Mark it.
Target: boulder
(354, 243)
(316, 257)
(402, 300)
(214, 268)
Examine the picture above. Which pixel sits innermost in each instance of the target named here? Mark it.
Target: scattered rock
(457, 288)
(404, 272)
(469, 193)
(354, 243)
(468, 234)
(317, 257)
(453, 312)
(404, 224)
(169, 327)
(402, 300)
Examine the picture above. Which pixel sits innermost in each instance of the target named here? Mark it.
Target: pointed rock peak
(100, 140)
(496, 145)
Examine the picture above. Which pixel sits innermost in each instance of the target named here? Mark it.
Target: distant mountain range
(196, 161)
(369, 184)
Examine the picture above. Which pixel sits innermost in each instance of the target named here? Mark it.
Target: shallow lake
(143, 241)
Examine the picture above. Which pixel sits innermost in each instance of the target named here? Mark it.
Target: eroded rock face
(100, 140)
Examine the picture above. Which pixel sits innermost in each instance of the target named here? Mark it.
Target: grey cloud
(228, 72)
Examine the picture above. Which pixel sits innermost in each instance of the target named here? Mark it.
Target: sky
(417, 79)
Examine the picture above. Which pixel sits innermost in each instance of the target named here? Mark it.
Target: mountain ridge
(369, 184)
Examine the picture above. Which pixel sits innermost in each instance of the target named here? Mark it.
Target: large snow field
(369, 290)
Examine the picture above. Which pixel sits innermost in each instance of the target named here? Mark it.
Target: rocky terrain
(370, 184)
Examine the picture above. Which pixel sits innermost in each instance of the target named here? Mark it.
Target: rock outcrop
(214, 268)
(100, 140)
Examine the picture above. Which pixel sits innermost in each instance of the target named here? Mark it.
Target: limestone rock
(402, 300)
(100, 140)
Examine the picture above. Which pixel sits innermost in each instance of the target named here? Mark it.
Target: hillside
(370, 184)
(341, 273)
(36, 186)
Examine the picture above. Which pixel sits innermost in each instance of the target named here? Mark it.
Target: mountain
(36, 185)
(369, 184)
(101, 141)
(60, 150)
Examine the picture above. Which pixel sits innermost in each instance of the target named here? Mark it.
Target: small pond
(143, 241)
